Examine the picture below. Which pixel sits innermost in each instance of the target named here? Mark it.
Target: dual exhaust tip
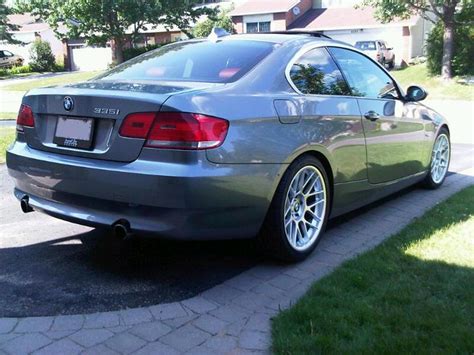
(121, 229)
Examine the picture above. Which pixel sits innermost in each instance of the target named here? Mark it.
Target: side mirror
(390, 48)
(416, 93)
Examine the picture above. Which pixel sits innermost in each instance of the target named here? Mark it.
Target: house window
(253, 27)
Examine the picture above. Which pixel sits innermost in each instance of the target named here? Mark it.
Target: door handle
(372, 115)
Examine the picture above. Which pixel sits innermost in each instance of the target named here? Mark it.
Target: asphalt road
(51, 267)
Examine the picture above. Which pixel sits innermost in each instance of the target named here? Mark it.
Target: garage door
(90, 58)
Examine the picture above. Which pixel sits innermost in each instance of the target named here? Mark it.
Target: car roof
(284, 37)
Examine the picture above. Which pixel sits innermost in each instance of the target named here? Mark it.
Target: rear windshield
(366, 46)
(216, 62)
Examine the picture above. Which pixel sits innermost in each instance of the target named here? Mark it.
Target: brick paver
(231, 318)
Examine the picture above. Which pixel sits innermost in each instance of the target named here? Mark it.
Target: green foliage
(42, 58)
(20, 70)
(388, 10)
(204, 28)
(130, 53)
(104, 20)
(24, 69)
(5, 27)
(462, 63)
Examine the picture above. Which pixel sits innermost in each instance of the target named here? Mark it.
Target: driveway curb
(231, 318)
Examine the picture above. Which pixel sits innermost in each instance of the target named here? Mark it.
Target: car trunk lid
(100, 106)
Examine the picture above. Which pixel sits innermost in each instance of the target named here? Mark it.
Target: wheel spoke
(318, 202)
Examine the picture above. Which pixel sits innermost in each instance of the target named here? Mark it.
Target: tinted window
(365, 77)
(366, 46)
(316, 73)
(223, 61)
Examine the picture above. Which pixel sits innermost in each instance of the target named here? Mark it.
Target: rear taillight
(137, 125)
(25, 118)
(176, 130)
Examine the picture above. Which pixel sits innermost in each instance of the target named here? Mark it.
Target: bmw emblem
(68, 103)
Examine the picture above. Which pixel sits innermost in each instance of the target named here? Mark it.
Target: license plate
(74, 132)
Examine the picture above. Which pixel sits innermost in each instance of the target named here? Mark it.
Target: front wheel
(440, 158)
(298, 213)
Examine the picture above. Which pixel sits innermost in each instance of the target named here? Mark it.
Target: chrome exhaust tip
(121, 230)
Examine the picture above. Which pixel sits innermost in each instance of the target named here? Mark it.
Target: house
(338, 19)
(30, 29)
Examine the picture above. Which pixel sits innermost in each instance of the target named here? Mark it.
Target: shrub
(20, 70)
(130, 53)
(462, 63)
(42, 58)
(15, 70)
(203, 29)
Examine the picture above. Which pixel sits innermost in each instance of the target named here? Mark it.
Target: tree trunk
(117, 50)
(449, 9)
(448, 50)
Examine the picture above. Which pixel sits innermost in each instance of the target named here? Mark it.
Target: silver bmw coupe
(240, 136)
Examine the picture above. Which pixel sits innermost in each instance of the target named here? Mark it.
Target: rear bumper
(174, 200)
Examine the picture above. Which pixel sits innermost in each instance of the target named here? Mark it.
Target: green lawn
(7, 135)
(8, 115)
(436, 87)
(412, 294)
(55, 80)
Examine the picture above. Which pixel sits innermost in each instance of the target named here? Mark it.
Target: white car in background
(379, 51)
(8, 59)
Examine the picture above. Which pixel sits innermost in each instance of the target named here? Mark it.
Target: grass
(49, 81)
(437, 88)
(412, 294)
(7, 135)
(8, 115)
(19, 75)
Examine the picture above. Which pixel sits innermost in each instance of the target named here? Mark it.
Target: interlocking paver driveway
(233, 317)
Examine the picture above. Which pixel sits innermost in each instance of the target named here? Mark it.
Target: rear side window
(366, 46)
(365, 77)
(217, 62)
(316, 73)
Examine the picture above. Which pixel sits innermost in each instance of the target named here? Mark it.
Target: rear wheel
(440, 158)
(298, 212)
(391, 65)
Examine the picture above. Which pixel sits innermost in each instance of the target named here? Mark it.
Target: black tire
(391, 65)
(429, 182)
(272, 239)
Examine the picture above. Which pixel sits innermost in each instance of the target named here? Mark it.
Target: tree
(462, 63)
(442, 10)
(204, 28)
(103, 20)
(5, 27)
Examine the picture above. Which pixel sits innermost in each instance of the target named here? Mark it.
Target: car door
(394, 137)
(330, 115)
(3, 59)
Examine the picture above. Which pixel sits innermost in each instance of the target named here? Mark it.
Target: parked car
(378, 50)
(8, 59)
(242, 136)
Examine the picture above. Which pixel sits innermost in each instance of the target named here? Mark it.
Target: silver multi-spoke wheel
(305, 208)
(440, 158)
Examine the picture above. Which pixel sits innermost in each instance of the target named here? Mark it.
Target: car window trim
(397, 86)
(303, 51)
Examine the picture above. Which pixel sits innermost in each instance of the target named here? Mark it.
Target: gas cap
(287, 111)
